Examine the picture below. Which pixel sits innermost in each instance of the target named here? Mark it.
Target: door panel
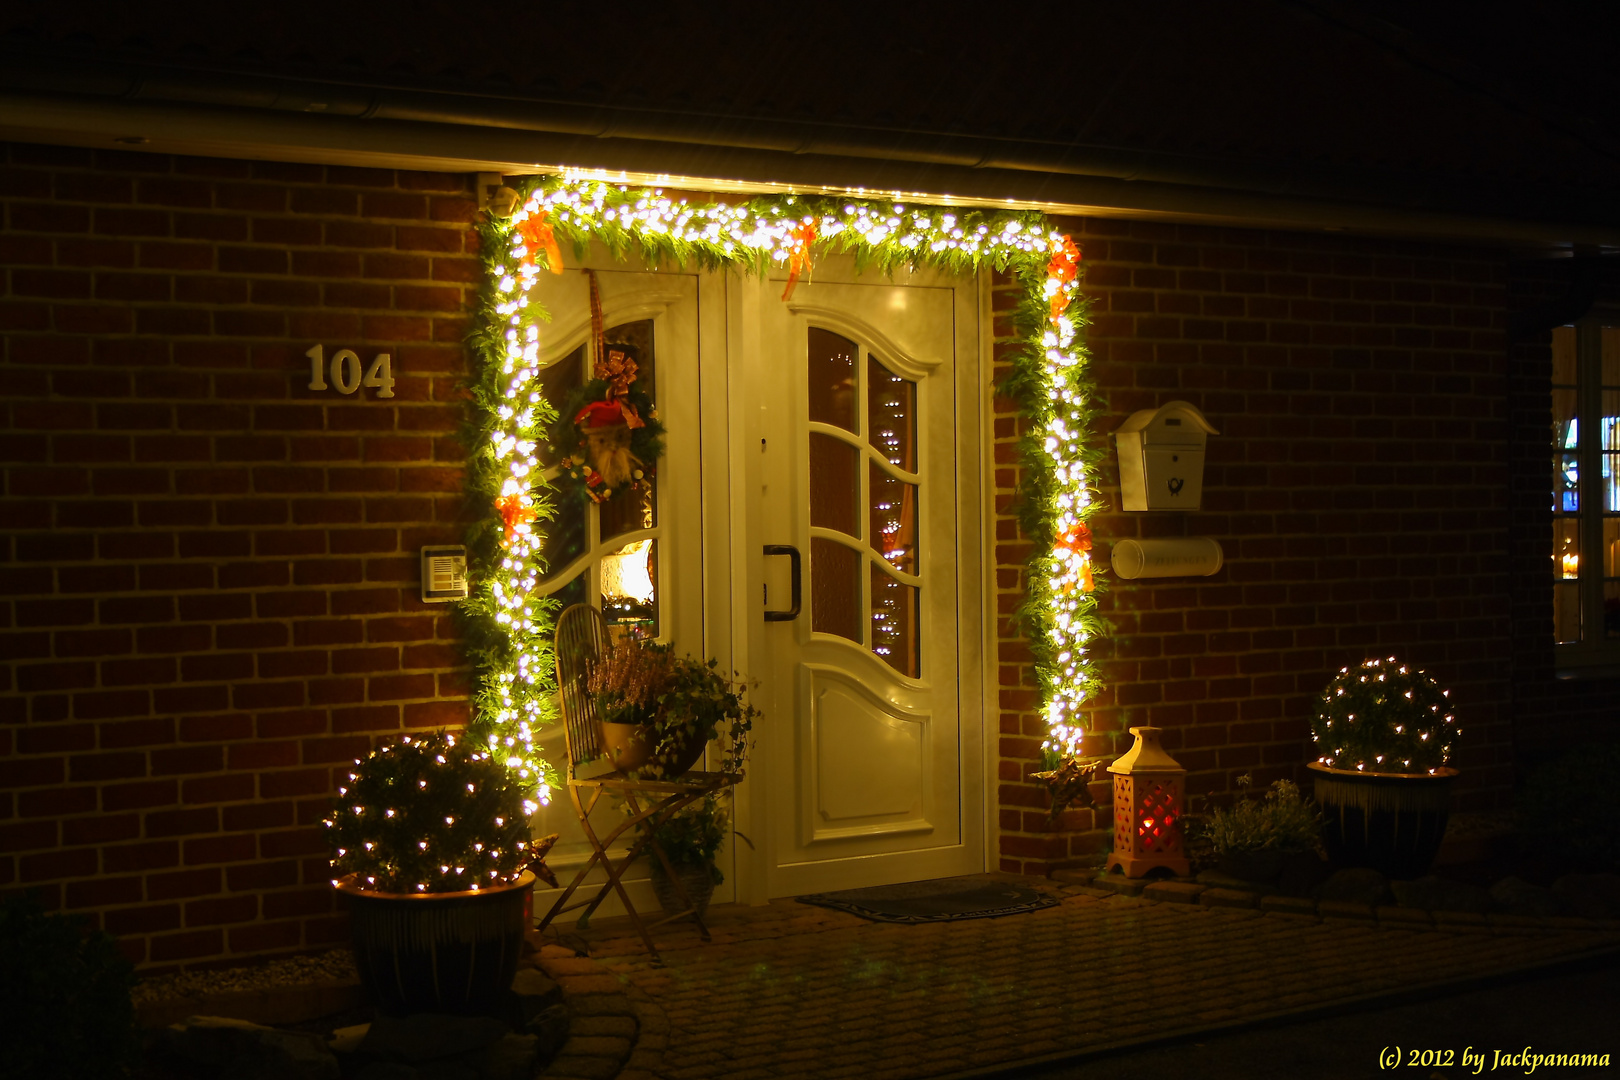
(859, 405)
(639, 559)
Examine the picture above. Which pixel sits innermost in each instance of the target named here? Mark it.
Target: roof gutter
(245, 116)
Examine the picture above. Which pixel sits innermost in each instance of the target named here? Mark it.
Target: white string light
(778, 232)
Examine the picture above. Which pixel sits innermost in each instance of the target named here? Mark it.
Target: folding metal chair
(581, 640)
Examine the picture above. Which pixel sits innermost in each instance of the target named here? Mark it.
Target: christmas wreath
(607, 434)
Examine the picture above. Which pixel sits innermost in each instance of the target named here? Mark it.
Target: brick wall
(1358, 485)
(210, 572)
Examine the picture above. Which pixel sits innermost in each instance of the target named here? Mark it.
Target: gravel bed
(335, 965)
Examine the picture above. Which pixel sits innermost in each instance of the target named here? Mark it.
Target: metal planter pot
(438, 952)
(1391, 822)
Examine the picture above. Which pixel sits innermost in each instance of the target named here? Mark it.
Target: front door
(868, 437)
(843, 423)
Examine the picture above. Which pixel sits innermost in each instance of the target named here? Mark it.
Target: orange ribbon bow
(804, 235)
(1077, 539)
(1064, 266)
(538, 235)
(515, 511)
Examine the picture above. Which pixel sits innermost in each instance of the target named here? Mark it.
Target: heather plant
(629, 678)
(1283, 821)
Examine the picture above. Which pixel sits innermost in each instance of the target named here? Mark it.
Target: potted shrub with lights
(1383, 732)
(658, 711)
(430, 844)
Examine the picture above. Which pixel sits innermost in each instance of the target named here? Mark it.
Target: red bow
(799, 261)
(515, 511)
(1075, 538)
(537, 235)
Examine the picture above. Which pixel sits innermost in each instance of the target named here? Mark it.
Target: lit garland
(513, 624)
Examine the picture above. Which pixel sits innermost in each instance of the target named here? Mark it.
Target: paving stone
(1074, 875)
(1356, 885)
(1442, 894)
(824, 996)
(583, 1068)
(1217, 880)
(1119, 884)
(1459, 918)
(596, 1046)
(1343, 909)
(1591, 896)
(1288, 905)
(623, 1027)
(1399, 916)
(1174, 892)
(1228, 898)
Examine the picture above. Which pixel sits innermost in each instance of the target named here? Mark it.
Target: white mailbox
(1161, 457)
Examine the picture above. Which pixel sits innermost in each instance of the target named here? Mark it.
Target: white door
(638, 557)
(871, 746)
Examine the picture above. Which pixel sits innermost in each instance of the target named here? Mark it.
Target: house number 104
(344, 371)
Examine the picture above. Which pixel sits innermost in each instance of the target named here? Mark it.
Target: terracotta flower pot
(630, 746)
(438, 952)
(1391, 822)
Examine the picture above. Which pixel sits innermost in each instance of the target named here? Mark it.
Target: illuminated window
(1586, 491)
(865, 481)
(606, 554)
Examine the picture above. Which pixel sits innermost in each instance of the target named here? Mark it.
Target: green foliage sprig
(430, 814)
(1384, 716)
(694, 835)
(698, 701)
(65, 1010)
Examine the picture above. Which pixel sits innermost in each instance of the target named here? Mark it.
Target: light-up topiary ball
(430, 814)
(1384, 716)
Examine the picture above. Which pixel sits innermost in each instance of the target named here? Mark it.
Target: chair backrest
(581, 639)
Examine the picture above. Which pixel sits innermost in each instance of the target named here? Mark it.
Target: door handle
(795, 572)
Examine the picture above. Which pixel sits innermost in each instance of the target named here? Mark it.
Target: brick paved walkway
(789, 990)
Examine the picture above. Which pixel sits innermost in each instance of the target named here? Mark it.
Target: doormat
(940, 900)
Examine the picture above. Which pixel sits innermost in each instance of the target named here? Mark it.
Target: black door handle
(795, 571)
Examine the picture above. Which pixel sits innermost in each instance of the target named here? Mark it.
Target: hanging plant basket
(696, 878)
(438, 952)
(1391, 822)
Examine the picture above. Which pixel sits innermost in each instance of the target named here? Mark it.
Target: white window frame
(1594, 648)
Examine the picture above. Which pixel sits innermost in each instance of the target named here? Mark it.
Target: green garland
(509, 626)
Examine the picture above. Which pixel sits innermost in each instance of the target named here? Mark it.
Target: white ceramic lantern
(1149, 795)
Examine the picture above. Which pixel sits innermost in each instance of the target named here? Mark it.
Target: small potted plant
(1252, 838)
(691, 838)
(430, 844)
(659, 711)
(1383, 732)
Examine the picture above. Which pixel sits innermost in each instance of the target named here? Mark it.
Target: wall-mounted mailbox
(1161, 457)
